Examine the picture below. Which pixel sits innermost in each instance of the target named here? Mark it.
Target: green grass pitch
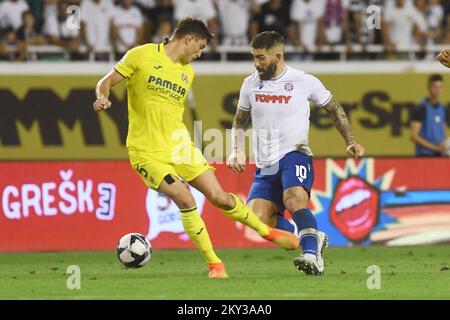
(406, 273)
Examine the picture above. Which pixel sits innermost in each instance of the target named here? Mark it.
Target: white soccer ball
(134, 250)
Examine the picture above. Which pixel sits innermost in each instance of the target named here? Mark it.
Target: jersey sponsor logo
(261, 85)
(152, 80)
(272, 98)
(157, 67)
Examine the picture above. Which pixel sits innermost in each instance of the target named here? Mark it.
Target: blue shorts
(295, 169)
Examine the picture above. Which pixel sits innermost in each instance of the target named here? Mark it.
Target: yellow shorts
(153, 168)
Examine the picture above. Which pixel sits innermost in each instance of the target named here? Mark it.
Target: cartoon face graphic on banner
(354, 208)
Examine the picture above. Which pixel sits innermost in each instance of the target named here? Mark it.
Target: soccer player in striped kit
(276, 100)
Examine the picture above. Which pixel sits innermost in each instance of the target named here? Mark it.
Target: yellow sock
(245, 215)
(195, 228)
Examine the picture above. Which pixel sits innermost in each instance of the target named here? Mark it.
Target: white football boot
(311, 264)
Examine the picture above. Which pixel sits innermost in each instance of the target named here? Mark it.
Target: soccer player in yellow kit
(159, 146)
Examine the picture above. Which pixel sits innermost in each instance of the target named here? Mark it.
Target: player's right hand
(101, 103)
(356, 150)
(444, 57)
(236, 162)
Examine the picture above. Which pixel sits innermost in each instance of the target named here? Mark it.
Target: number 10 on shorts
(301, 172)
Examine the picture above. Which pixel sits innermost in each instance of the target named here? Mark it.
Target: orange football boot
(284, 239)
(217, 271)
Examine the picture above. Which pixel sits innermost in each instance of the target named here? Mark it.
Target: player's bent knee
(293, 205)
(184, 202)
(182, 198)
(295, 200)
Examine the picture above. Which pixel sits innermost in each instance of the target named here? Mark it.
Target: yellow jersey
(157, 90)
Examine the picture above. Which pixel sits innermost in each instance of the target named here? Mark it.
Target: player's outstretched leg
(194, 225)
(242, 213)
(234, 208)
(196, 229)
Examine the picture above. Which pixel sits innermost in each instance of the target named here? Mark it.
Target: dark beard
(269, 72)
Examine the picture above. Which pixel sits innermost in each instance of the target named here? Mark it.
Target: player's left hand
(444, 57)
(356, 150)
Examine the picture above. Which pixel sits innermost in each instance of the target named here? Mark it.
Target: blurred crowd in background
(108, 26)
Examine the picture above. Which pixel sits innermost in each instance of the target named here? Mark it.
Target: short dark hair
(194, 26)
(435, 77)
(266, 40)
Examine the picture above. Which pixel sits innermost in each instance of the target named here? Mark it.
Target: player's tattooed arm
(340, 120)
(342, 124)
(242, 121)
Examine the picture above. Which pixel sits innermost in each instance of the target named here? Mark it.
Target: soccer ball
(134, 250)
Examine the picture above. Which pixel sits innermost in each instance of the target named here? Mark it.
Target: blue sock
(284, 224)
(307, 226)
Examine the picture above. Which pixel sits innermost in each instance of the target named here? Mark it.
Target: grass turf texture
(406, 273)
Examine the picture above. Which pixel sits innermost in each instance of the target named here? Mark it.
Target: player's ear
(189, 39)
(278, 57)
